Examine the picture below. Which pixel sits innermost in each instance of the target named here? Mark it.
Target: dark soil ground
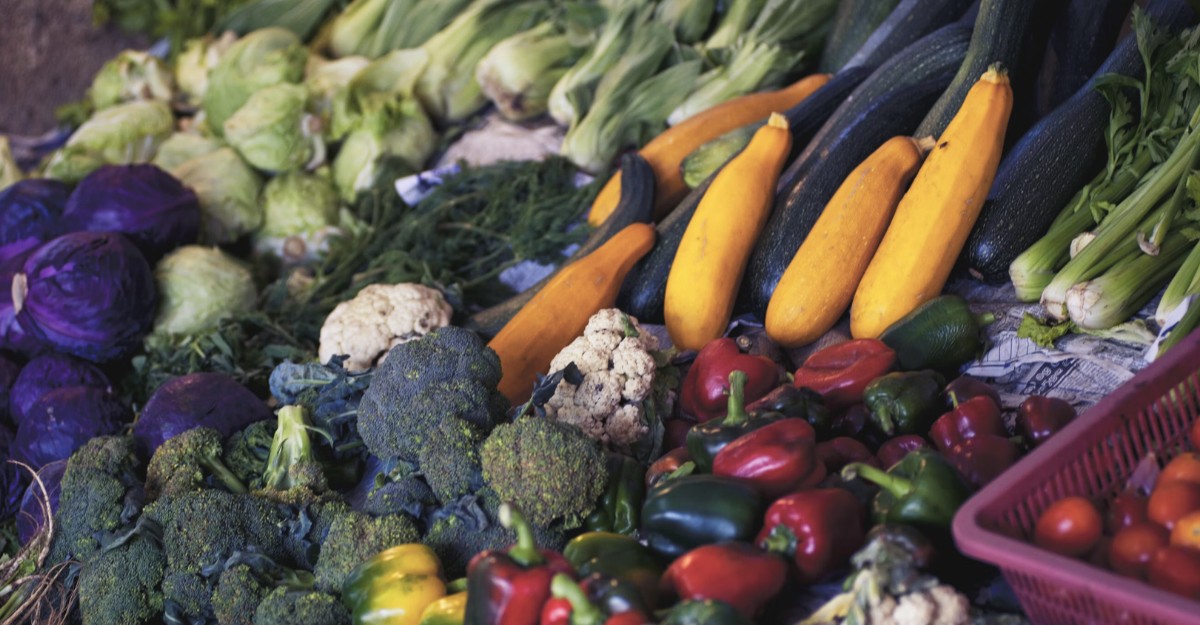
(51, 51)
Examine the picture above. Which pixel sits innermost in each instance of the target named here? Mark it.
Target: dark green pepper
(940, 334)
(618, 557)
(905, 402)
(619, 507)
(923, 490)
(705, 612)
(793, 402)
(696, 510)
(705, 439)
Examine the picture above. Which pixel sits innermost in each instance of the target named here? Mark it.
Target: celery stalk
(1189, 322)
(518, 73)
(571, 96)
(736, 20)
(1185, 283)
(745, 72)
(689, 19)
(1113, 297)
(1152, 242)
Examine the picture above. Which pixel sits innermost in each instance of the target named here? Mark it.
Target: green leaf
(1041, 332)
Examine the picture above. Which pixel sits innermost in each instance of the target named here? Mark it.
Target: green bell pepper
(905, 402)
(923, 490)
(704, 612)
(619, 508)
(617, 557)
(696, 510)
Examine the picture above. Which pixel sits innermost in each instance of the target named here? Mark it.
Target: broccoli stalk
(290, 447)
(184, 461)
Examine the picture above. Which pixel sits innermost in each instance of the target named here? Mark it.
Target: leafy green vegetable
(1044, 333)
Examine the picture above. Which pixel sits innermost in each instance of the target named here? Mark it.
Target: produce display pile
(244, 381)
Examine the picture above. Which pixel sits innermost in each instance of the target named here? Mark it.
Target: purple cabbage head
(48, 372)
(12, 336)
(30, 213)
(12, 477)
(9, 371)
(195, 400)
(62, 420)
(29, 515)
(88, 294)
(143, 202)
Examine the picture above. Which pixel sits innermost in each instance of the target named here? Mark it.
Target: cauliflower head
(380, 317)
(616, 359)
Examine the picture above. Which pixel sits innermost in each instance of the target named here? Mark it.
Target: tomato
(1169, 502)
(1186, 532)
(1071, 526)
(1183, 468)
(1176, 569)
(1128, 508)
(1134, 546)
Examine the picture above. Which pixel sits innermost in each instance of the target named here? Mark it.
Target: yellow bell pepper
(395, 586)
(449, 610)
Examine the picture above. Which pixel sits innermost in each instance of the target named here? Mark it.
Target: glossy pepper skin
(923, 490)
(706, 385)
(904, 402)
(616, 557)
(705, 612)
(448, 610)
(793, 402)
(510, 587)
(667, 464)
(981, 458)
(570, 605)
(736, 573)
(818, 529)
(696, 510)
(776, 458)
(620, 507)
(840, 373)
(843, 450)
(1038, 417)
(895, 449)
(977, 416)
(965, 387)
(704, 440)
(395, 586)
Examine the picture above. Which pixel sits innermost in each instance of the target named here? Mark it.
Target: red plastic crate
(1093, 457)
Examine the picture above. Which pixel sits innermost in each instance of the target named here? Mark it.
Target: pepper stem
(582, 610)
(735, 412)
(894, 484)
(985, 319)
(884, 417)
(781, 540)
(525, 552)
(456, 585)
(953, 399)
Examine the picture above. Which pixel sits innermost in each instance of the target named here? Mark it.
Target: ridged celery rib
(1189, 322)
(1123, 290)
(1186, 282)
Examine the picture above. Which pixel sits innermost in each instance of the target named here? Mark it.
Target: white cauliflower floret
(380, 317)
(615, 357)
(939, 605)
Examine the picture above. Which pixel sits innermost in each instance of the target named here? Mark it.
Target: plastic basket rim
(1018, 483)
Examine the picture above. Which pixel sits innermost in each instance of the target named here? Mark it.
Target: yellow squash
(665, 153)
(818, 285)
(937, 213)
(560, 311)
(708, 266)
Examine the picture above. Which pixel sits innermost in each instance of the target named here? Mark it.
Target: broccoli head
(448, 373)
(409, 495)
(471, 524)
(355, 537)
(550, 470)
(289, 607)
(121, 585)
(101, 492)
(186, 462)
(450, 459)
(238, 593)
(247, 450)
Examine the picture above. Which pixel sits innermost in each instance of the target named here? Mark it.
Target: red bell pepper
(817, 529)
(841, 451)
(895, 449)
(570, 606)
(1040, 417)
(841, 372)
(966, 387)
(736, 573)
(667, 464)
(511, 587)
(981, 458)
(705, 389)
(776, 458)
(973, 417)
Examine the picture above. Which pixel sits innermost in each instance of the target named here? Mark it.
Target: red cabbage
(48, 372)
(207, 399)
(88, 294)
(12, 336)
(8, 375)
(29, 515)
(143, 202)
(62, 420)
(30, 213)
(12, 477)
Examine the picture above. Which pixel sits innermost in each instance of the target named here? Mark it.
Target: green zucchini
(941, 334)
(1081, 39)
(854, 21)
(908, 22)
(635, 206)
(1000, 29)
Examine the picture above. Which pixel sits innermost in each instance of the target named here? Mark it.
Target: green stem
(781, 540)
(953, 399)
(897, 486)
(886, 423)
(1189, 322)
(226, 477)
(1159, 233)
(985, 319)
(735, 413)
(582, 610)
(525, 552)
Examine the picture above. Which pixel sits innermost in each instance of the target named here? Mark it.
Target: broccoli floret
(308, 528)
(355, 537)
(101, 492)
(448, 373)
(246, 451)
(237, 596)
(409, 495)
(450, 459)
(187, 596)
(470, 525)
(550, 470)
(121, 586)
(289, 607)
(186, 461)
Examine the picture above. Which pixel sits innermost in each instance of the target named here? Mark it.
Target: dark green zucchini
(1082, 38)
(1000, 29)
(909, 21)
(875, 112)
(635, 206)
(1056, 158)
(854, 21)
(1024, 74)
